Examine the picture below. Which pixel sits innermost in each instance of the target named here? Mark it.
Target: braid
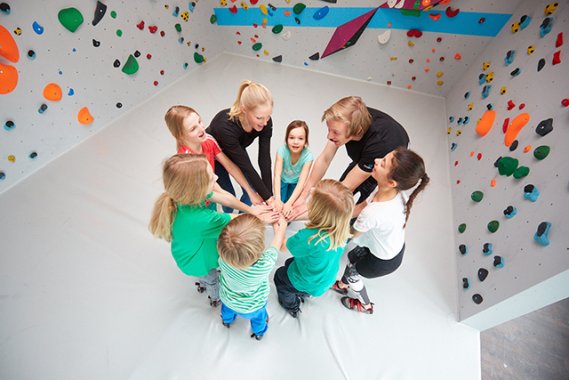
(424, 182)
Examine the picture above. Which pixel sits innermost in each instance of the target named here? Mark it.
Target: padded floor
(87, 293)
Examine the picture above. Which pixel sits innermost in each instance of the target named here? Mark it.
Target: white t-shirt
(382, 226)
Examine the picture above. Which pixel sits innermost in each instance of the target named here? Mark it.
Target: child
(187, 127)
(181, 216)
(316, 249)
(292, 166)
(379, 231)
(245, 265)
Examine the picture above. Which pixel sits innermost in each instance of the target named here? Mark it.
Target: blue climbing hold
(498, 262)
(37, 28)
(321, 13)
(510, 56)
(531, 193)
(510, 212)
(453, 146)
(542, 234)
(9, 125)
(466, 120)
(451, 119)
(486, 91)
(524, 22)
(545, 26)
(481, 79)
(487, 249)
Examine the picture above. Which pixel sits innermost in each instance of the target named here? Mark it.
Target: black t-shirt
(233, 140)
(383, 135)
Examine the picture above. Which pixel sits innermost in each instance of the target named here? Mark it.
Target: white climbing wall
(86, 73)
(526, 263)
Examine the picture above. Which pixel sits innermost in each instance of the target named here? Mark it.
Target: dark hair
(297, 124)
(407, 169)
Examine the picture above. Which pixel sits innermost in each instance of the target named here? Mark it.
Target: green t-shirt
(313, 269)
(194, 238)
(246, 290)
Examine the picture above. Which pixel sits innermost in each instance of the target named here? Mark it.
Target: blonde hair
(242, 241)
(249, 96)
(186, 180)
(352, 111)
(175, 121)
(329, 211)
(297, 124)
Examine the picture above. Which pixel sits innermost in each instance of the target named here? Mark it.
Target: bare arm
(280, 230)
(355, 177)
(287, 209)
(236, 173)
(277, 203)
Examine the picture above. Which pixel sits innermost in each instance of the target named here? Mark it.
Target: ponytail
(250, 95)
(162, 217)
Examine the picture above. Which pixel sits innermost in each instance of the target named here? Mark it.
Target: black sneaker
(200, 288)
(214, 303)
(258, 337)
(228, 325)
(294, 313)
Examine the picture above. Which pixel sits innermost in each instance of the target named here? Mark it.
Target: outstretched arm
(287, 209)
(277, 203)
(355, 177)
(236, 173)
(280, 229)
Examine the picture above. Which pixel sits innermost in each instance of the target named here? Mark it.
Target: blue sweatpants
(258, 318)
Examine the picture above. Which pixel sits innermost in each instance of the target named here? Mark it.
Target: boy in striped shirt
(245, 266)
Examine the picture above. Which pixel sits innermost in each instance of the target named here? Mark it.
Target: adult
(236, 128)
(367, 134)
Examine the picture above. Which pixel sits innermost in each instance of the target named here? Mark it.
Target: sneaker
(228, 325)
(356, 305)
(294, 313)
(258, 337)
(200, 288)
(336, 287)
(214, 303)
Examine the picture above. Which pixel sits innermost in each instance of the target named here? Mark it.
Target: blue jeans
(287, 190)
(225, 182)
(258, 318)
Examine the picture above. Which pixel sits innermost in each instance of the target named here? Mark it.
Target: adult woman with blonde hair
(237, 128)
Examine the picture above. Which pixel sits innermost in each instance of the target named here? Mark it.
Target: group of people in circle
(226, 251)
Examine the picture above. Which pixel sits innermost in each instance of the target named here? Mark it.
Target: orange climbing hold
(485, 123)
(493, 183)
(8, 78)
(515, 127)
(527, 148)
(84, 116)
(8, 47)
(52, 92)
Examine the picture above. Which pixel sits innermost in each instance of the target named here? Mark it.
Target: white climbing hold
(397, 4)
(384, 37)
(286, 35)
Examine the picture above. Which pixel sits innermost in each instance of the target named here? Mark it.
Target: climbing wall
(68, 68)
(508, 130)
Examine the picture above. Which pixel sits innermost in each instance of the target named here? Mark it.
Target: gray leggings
(211, 284)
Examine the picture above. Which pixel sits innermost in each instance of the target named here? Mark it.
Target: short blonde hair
(175, 121)
(329, 211)
(242, 241)
(352, 111)
(249, 96)
(186, 180)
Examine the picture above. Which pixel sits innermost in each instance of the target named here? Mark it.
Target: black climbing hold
(467, 95)
(515, 72)
(509, 210)
(119, 105)
(514, 145)
(544, 127)
(137, 54)
(497, 162)
(99, 13)
(465, 284)
(541, 228)
(96, 43)
(5, 8)
(498, 262)
(462, 248)
(540, 64)
(117, 63)
(278, 58)
(487, 248)
(314, 57)
(43, 107)
(33, 155)
(477, 298)
(9, 125)
(482, 274)
(297, 20)
(489, 106)
(31, 54)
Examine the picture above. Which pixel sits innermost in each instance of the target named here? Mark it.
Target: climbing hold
(257, 46)
(52, 92)
(524, 21)
(8, 47)
(485, 123)
(486, 91)
(516, 72)
(414, 33)
(198, 58)
(178, 27)
(278, 58)
(9, 125)
(465, 284)
(321, 13)
(233, 9)
(213, 19)
(131, 65)
(540, 64)
(550, 9)
(462, 228)
(493, 226)
(511, 105)
(515, 27)
(559, 40)
(12, 158)
(152, 29)
(544, 127)
(17, 31)
(541, 152)
(116, 63)
(33, 155)
(503, 90)
(118, 105)
(42, 108)
(2, 176)
(498, 262)
(477, 298)
(451, 12)
(510, 212)
(486, 65)
(453, 146)
(477, 196)
(521, 172)
(384, 37)
(556, 58)
(530, 49)
(96, 43)
(84, 116)
(510, 56)
(515, 127)
(298, 8)
(487, 249)
(482, 274)
(514, 145)
(5, 8)
(99, 13)
(489, 106)
(545, 26)
(113, 14)
(527, 148)
(118, 33)
(463, 249)
(490, 77)
(37, 28)
(31, 54)
(315, 56)
(467, 95)
(8, 78)
(140, 25)
(507, 165)
(457, 56)
(531, 193)
(277, 29)
(542, 234)
(70, 18)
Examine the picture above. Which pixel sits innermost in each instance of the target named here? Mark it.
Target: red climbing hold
(511, 105)
(479, 156)
(435, 16)
(505, 125)
(414, 33)
(522, 106)
(233, 9)
(140, 25)
(451, 12)
(153, 29)
(559, 40)
(556, 58)
(565, 102)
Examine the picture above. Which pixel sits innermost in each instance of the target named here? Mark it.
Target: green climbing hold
(462, 228)
(521, 172)
(178, 28)
(298, 8)
(477, 196)
(411, 12)
(70, 18)
(493, 226)
(277, 28)
(507, 165)
(541, 152)
(119, 33)
(114, 14)
(131, 65)
(257, 46)
(213, 19)
(198, 58)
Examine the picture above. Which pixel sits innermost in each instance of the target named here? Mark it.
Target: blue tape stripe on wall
(466, 23)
